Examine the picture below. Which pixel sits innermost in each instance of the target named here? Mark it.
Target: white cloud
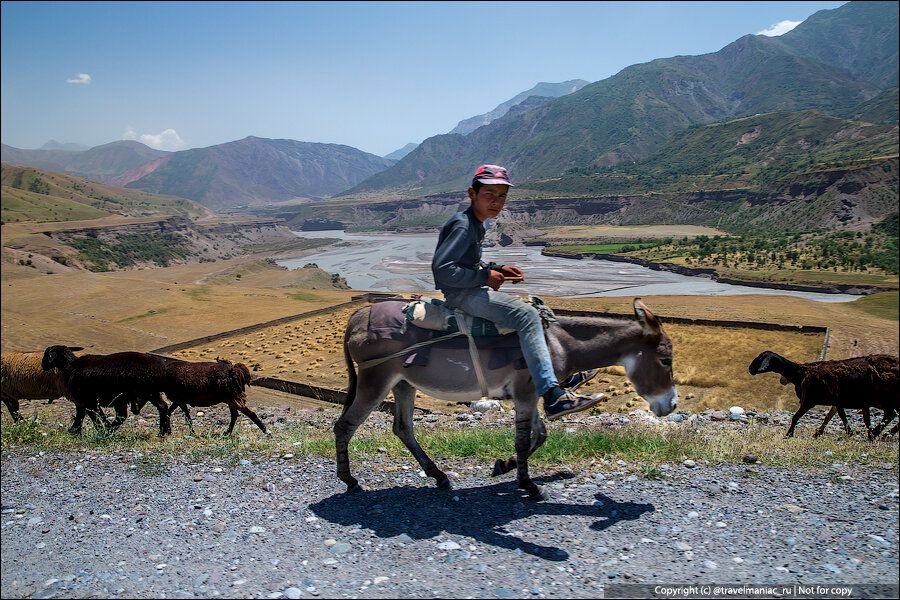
(166, 140)
(83, 78)
(779, 28)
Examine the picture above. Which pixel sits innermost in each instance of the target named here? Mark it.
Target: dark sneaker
(579, 379)
(569, 402)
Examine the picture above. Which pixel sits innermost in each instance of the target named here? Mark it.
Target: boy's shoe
(579, 379)
(568, 402)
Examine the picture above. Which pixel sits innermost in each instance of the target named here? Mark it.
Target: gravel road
(106, 525)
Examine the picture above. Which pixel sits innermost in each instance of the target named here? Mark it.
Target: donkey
(575, 343)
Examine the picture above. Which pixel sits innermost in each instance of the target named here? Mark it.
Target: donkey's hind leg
(538, 437)
(370, 391)
(404, 403)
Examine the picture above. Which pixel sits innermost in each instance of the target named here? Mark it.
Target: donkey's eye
(666, 362)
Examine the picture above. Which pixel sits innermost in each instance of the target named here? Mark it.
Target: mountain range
(828, 63)
(797, 101)
(541, 90)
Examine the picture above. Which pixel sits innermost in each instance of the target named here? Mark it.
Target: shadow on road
(481, 513)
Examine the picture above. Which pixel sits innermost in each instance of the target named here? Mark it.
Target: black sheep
(95, 380)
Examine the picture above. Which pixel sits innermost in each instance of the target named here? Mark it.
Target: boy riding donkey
(473, 287)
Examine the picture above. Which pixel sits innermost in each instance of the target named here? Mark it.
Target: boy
(473, 287)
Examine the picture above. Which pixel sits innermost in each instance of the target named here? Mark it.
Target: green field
(885, 305)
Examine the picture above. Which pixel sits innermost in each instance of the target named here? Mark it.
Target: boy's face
(489, 201)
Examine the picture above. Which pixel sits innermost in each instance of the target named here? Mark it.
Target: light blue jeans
(511, 312)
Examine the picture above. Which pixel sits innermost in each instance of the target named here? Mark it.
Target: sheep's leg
(121, 414)
(234, 416)
(253, 418)
(843, 416)
(13, 405)
(802, 411)
(888, 416)
(77, 422)
(185, 411)
(828, 418)
(404, 403)
(867, 420)
(165, 426)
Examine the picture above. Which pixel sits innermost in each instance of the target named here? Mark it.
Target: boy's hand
(512, 273)
(495, 280)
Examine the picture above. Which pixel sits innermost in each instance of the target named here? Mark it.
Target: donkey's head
(650, 367)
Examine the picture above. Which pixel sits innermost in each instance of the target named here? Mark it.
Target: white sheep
(23, 378)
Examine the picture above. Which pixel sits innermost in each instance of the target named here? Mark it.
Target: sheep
(22, 378)
(857, 383)
(115, 379)
(207, 384)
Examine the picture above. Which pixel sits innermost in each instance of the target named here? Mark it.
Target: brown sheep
(207, 384)
(22, 378)
(858, 383)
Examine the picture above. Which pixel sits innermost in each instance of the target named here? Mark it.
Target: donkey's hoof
(445, 484)
(535, 492)
(355, 489)
(499, 468)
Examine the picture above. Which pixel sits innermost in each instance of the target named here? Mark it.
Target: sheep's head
(57, 357)
(242, 372)
(764, 363)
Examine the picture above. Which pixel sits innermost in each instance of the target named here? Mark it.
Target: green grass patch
(130, 249)
(304, 296)
(603, 248)
(645, 446)
(885, 305)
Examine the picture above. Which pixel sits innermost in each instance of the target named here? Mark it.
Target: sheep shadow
(481, 513)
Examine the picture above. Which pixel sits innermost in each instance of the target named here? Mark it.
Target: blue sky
(373, 75)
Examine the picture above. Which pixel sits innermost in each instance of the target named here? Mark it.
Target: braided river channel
(402, 263)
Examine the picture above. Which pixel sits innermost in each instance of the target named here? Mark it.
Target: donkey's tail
(351, 374)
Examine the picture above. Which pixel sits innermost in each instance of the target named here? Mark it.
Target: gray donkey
(576, 344)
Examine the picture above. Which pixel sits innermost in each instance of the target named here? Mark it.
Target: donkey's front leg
(538, 436)
(523, 450)
(404, 403)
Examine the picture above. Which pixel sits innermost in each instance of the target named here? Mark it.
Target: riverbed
(402, 263)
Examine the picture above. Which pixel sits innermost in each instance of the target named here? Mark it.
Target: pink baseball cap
(491, 174)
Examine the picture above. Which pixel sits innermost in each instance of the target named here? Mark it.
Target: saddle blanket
(389, 320)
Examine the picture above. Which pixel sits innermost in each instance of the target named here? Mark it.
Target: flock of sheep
(93, 381)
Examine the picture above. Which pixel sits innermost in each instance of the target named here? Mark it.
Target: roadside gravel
(88, 525)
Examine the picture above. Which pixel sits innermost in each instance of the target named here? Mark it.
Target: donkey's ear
(76, 348)
(647, 319)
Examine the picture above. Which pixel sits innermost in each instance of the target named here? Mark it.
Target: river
(402, 263)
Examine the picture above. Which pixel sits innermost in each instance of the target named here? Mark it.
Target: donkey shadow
(481, 513)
